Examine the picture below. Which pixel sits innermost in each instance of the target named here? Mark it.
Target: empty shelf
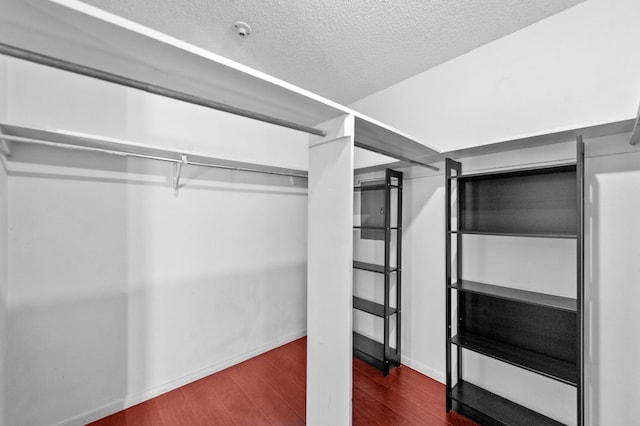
(524, 296)
(517, 234)
(553, 368)
(370, 307)
(498, 408)
(371, 267)
(372, 352)
(393, 228)
(524, 171)
(378, 187)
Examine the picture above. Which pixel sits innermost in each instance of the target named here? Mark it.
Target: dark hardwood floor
(270, 390)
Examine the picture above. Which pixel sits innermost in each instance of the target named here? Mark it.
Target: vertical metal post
(399, 177)
(450, 166)
(580, 276)
(460, 305)
(387, 266)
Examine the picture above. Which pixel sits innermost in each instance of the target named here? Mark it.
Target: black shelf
(523, 296)
(370, 307)
(369, 351)
(380, 228)
(530, 201)
(518, 172)
(372, 267)
(374, 187)
(553, 368)
(372, 352)
(381, 223)
(538, 332)
(518, 234)
(497, 408)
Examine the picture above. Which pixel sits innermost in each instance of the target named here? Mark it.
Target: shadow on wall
(120, 291)
(611, 291)
(423, 275)
(592, 313)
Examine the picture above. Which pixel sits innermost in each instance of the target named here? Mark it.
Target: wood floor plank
(239, 406)
(208, 409)
(270, 390)
(250, 377)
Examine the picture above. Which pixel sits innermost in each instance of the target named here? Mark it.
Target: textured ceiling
(342, 50)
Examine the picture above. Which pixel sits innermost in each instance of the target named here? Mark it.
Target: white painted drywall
(4, 284)
(612, 173)
(4, 288)
(50, 98)
(573, 69)
(612, 275)
(329, 275)
(120, 291)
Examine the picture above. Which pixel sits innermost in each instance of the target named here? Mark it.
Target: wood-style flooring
(270, 390)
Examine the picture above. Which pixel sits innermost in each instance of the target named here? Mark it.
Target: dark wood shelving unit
(383, 355)
(538, 332)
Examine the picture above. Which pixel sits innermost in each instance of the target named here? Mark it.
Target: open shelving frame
(535, 331)
(383, 355)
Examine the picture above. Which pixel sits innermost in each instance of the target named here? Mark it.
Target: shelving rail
(535, 331)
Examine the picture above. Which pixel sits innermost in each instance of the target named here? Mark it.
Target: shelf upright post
(450, 167)
(387, 259)
(399, 267)
(580, 275)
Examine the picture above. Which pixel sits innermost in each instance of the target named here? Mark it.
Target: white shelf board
(79, 33)
(76, 139)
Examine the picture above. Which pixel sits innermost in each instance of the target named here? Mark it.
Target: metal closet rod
(21, 139)
(50, 61)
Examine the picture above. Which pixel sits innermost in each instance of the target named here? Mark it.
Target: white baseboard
(424, 369)
(136, 398)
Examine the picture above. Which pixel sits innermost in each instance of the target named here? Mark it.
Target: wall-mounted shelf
(77, 37)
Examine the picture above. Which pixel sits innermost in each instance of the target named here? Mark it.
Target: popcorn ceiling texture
(343, 50)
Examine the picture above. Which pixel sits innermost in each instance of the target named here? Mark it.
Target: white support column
(329, 274)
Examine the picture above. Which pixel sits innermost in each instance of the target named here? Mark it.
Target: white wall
(120, 291)
(574, 69)
(612, 173)
(4, 285)
(51, 98)
(612, 276)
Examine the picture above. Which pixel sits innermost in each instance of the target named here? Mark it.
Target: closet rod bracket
(5, 146)
(177, 170)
